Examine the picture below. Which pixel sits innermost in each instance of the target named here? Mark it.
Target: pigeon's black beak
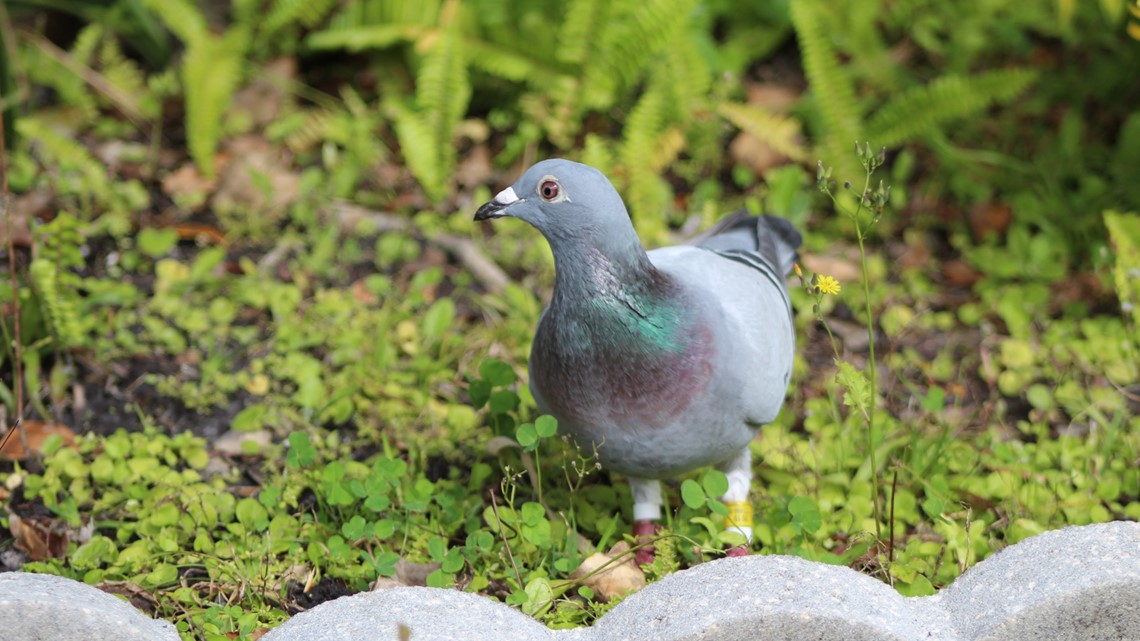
(498, 205)
(490, 210)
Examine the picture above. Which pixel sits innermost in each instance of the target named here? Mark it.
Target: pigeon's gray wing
(765, 243)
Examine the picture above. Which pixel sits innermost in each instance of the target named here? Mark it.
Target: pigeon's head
(562, 199)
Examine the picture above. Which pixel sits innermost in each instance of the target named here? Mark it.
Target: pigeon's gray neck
(616, 296)
(605, 265)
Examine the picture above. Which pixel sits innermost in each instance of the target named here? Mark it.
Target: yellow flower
(827, 285)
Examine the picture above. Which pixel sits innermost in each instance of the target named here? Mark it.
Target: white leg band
(646, 499)
(738, 469)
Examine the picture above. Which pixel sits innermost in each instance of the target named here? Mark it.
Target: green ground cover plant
(256, 355)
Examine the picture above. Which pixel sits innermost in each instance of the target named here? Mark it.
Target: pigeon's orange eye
(548, 190)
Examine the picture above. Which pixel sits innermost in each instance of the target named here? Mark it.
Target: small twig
(122, 100)
(467, 252)
(493, 278)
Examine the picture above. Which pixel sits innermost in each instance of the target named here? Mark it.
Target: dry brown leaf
(229, 444)
(410, 573)
(187, 184)
(12, 446)
(475, 169)
(959, 273)
(611, 574)
(263, 98)
(844, 269)
(989, 218)
(39, 537)
(138, 596)
(199, 233)
(778, 99)
(258, 178)
(35, 204)
(853, 335)
(757, 155)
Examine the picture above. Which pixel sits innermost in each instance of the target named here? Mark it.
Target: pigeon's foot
(644, 531)
(740, 550)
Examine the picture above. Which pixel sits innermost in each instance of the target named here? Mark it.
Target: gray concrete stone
(39, 607)
(1078, 583)
(426, 613)
(771, 598)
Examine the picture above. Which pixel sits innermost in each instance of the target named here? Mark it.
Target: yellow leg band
(739, 515)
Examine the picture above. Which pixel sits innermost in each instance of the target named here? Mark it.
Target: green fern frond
(577, 35)
(87, 43)
(443, 91)
(688, 76)
(49, 71)
(670, 144)
(832, 89)
(628, 45)
(127, 78)
(211, 73)
(75, 172)
(646, 195)
(360, 26)
(501, 63)
(306, 13)
(919, 110)
(780, 133)
(357, 39)
(596, 152)
(304, 130)
(58, 306)
(184, 19)
(442, 86)
(419, 147)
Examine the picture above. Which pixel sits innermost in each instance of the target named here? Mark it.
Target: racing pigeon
(661, 361)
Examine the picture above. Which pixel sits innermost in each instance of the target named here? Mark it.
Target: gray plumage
(665, 360)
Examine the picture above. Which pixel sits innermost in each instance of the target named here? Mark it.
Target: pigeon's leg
(646, 511)
(738, 469)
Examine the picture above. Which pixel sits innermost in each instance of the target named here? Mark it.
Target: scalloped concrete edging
(1077, 583)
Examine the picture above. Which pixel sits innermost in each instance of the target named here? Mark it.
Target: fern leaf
(577, 35)
(57, 305)
(629, 45)
(183, 18)
(921, 109)
(128, 81)
(688, 76)
(502, 63)
(304, 130)
(358, 39)
(306, 13)
(832, 89)
(596, 153)
(443, 91)
(643, 130)
(44, 68)
(780, 133)
(211, 72)
(419, 147)
(70, 164)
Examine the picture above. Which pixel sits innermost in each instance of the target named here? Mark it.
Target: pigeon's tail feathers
(779, 242)
(772, 237)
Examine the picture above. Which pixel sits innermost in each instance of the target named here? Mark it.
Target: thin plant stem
(860, 234)
(18, 351)
(872, 373)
